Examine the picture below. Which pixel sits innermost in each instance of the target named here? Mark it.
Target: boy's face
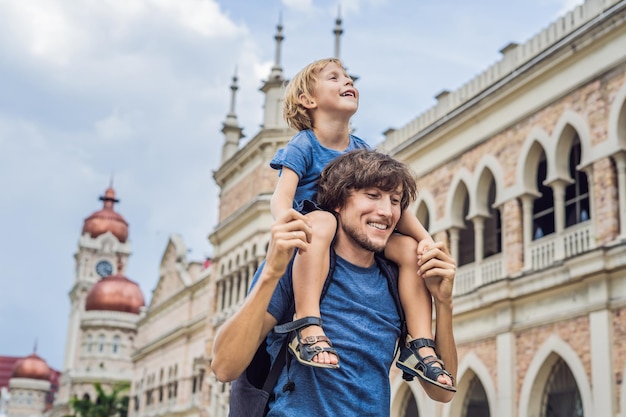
(369, 217)
(334, 91)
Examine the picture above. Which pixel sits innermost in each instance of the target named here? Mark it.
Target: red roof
(6, 370)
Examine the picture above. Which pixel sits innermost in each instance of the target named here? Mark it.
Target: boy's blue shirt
(304, 155)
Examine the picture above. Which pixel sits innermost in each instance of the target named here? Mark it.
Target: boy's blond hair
(295, 114)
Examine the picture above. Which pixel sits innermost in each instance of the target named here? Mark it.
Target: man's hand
(437, 268)
(289, 232)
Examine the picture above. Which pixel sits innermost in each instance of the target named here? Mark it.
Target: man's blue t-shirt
(361, 319)
(307, 157)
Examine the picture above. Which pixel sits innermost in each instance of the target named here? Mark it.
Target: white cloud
(299, 5)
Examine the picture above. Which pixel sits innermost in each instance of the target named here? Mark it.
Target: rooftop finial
(277, 71)
(338, 31)
(233, 88)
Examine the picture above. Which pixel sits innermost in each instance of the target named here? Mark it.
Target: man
(367, 191)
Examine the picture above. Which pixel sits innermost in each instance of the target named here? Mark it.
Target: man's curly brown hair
(363, 168)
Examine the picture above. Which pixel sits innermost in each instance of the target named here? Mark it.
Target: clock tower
(102, 250)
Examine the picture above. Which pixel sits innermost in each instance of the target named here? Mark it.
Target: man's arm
(437, 268)
(239, 337)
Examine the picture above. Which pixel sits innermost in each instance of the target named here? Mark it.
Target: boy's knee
(323, 223)
(402, 249)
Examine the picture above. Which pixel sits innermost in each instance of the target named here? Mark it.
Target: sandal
(302, 347)
(413, 364)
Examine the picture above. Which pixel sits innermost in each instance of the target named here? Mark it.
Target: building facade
(522, 172)
(104, 309)
(169, 361)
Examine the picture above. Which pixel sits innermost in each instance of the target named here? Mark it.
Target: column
(558, 191)
(527, 223)
(603, 387)
(454, 243)
(620, 162)
(506, 399)
(479, 246)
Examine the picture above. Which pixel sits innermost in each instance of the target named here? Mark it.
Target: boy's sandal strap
(298, 324)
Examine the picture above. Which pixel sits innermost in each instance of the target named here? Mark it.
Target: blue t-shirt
(361, 319)
(307, 157)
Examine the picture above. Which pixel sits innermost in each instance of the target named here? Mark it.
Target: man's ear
(307, 101)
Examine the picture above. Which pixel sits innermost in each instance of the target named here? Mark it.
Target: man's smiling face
(369, 217)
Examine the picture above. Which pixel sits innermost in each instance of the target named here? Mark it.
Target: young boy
(319, 103)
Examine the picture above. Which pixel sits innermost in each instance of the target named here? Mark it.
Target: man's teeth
(379, 226)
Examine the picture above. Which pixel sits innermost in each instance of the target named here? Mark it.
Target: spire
(277, 70)
(231, 129)
(338, 31)
(233, 93)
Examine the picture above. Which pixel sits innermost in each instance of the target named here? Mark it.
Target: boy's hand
(437, 268)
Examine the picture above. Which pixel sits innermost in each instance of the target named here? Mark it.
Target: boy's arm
(409, 225)
(239, 337)
(284, 193)
(437, 268)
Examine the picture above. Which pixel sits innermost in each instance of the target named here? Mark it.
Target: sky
(134, 93)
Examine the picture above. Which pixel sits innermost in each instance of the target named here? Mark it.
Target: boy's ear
(307, 101)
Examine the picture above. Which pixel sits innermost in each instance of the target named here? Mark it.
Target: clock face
(104, 268)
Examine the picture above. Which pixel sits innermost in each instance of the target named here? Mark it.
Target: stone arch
(400, 391)
(539, 370)
(617, 122)
(459, 188)
(569, 125)
(530, 152)
(488, 168)
(426, 201)
(469, 366)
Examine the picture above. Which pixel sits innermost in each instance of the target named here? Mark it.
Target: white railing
(491, 269)
(471, 276)
(465, 279)
(553, 248)
(542, 252)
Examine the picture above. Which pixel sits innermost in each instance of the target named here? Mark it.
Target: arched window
(116, 344)
(466, 237)
(561, 396)
(101, 340)
(543, 206)
(577, 193)
(492, 241)
(476, 403)
(423, 216)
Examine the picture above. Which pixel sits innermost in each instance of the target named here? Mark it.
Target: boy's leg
(310, 270)
(414, 295)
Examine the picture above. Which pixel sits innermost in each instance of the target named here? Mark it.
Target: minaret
(277, 70)
(338, 31)
(274, 88)
(231, 130)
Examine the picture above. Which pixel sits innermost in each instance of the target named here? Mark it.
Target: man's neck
(352, 252)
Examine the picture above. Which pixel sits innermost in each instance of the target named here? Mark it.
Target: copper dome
(107, 220)
(31, 367)
(115, 293)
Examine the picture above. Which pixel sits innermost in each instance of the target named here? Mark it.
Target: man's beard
(361, 238)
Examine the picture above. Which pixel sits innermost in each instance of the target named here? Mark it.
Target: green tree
(114, 404)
